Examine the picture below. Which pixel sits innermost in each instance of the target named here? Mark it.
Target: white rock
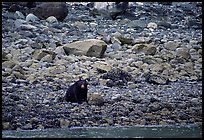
(31, 17)
(152, 25)
(19, 15)
(51, 19)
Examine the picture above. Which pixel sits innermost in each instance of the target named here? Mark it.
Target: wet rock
(90, 47)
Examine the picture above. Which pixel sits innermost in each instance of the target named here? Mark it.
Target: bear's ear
(80, 77)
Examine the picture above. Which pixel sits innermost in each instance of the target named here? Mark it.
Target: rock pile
(146, 67)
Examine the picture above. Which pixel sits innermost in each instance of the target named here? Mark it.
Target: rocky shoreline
(146, 70)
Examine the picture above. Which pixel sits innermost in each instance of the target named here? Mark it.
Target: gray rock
(183, 52)
(19, 15)
(148, 49)
(152, 25)
(96, 99)
(8, 64)
(28, 126)
(28, 27)
(102, 67)
(89, 47)
(52, 19)
(39, 54)
(32, 18)
(19, 22)
(116, 46)
(171, 45)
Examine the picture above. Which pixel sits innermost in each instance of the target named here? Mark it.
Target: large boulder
(47, 9)
(89, 47)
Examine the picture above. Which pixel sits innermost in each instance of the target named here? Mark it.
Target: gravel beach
(143, 66)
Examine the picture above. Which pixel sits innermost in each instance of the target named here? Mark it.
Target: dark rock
(47, 9)
(15, 97)
(157, 79)
(117, 77)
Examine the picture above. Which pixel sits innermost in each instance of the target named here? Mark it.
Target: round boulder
(47, 9)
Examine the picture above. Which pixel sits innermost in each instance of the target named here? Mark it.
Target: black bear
(77, 92)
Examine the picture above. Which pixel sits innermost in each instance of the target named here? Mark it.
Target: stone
(52, 19)
(19, 22)
(171, 45)
(148, 49)
(31, 17)
(116, 97)
(28, 126)
(19, 75)
(89, 47)
(124, 39)
(183, 53)
(7, 126)
(47, 9)
(8, 64)
(4, 56)
(27, 27)
(157, 79)
(152, 25)
(19, 15)
(39, 54)
(102, 67)
(95, 99)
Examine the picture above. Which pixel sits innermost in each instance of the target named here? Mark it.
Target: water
(110, 132)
